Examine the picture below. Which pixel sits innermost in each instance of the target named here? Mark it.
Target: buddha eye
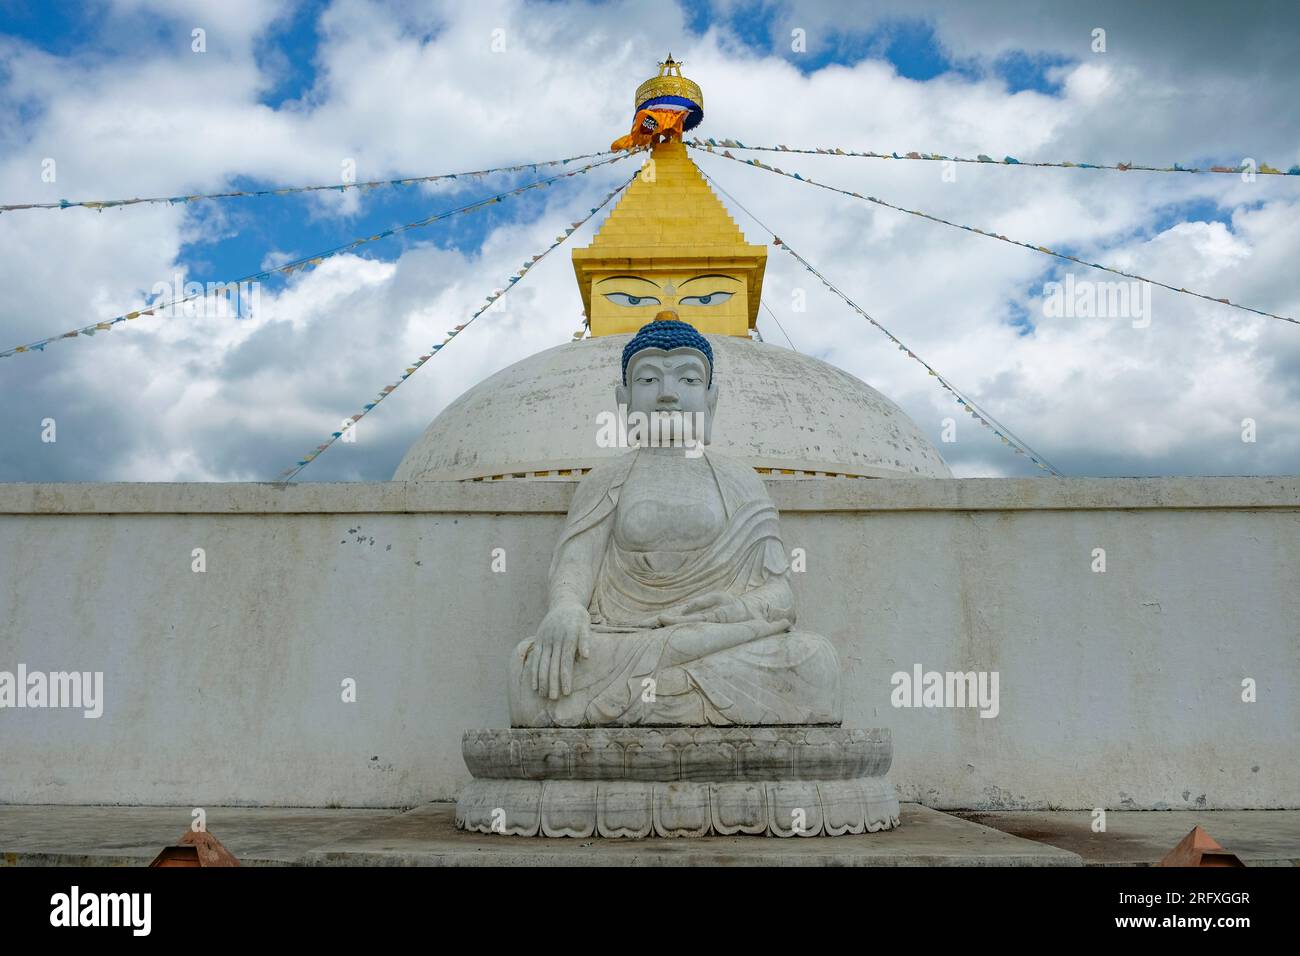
(713, 298)
(623, 298)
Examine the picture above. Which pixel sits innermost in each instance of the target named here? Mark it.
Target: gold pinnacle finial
(669, 83)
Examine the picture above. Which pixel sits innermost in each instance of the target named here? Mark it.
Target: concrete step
(1143, 837)
(51, 835)
(426, 836)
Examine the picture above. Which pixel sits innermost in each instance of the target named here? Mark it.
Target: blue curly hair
(667, 334)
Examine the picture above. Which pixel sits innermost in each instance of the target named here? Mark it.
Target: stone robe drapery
(752, 669)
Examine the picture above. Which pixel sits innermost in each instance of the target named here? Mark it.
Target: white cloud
(409, 93)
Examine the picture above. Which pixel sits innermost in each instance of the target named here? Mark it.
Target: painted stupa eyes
(624, 298)
(713, 298)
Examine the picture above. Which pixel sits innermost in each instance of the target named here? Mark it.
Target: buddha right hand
(565, 633)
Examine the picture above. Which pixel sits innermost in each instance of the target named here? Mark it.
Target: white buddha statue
(670, 600)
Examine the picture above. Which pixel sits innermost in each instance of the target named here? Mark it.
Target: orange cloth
(649, 124)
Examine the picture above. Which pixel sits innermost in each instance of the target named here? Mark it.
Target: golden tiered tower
(670, 244)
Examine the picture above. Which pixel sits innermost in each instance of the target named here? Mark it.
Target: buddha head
(668, 383)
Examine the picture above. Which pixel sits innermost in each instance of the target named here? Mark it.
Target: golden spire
(670, 243)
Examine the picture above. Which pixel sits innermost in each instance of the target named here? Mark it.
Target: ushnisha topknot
(667, 334)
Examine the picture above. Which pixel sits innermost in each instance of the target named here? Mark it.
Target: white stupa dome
(784, 413)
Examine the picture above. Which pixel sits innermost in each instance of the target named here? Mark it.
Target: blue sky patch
(1189, 210)
(1022, 70)
(287, 53)
(1018, 316)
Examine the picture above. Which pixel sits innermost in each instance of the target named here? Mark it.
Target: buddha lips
(671, 429)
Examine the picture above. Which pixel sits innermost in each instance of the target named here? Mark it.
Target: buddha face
(673, 392)
(712, 302)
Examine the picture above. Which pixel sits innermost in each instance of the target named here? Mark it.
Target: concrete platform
(1142, 838)
(426, 836)
(45, 835)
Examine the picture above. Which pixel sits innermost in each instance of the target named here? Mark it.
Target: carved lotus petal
(569, 808)
(682, 809)
(843, 807)
(739, 808)
(794, 808)
(625, 809)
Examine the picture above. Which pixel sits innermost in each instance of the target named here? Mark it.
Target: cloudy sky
(287, 93)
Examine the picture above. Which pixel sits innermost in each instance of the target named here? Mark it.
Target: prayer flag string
(993, 235)
(1263, 169)
(306, 262)
(1000, 431)
(291, 472)
(102, 204)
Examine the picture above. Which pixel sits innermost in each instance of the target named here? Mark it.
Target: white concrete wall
(1120, 689)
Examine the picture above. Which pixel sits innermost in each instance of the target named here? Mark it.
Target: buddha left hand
(716, 607)
(565, 635)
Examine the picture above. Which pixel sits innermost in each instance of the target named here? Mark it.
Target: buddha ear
(621, 395)
(713, 410)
